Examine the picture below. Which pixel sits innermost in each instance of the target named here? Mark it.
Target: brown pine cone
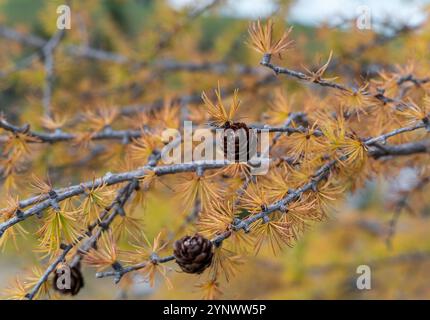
(76, 281)
(193, 254)
(242, 151)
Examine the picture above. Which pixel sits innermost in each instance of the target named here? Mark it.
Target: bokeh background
(322, 265)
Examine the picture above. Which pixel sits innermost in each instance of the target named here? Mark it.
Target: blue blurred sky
(317, 11)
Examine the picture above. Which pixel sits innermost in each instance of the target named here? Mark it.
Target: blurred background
(145, 50)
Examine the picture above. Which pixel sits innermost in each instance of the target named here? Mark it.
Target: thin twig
(51, 268)
(265, 61)
(48, 59)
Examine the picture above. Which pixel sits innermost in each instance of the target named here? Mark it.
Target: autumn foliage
(83, 115)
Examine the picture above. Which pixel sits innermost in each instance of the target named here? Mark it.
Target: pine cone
(242, 151)
(193, 254)
(76, 281)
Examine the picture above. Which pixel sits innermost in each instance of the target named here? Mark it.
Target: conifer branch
(50, 269)
(405, 149)
(43, 202)
(110, 134)
(237, 224)
(48, 59)
(281, 205)
(104, 222)
(60, 136)
(265, 61)
(330, 147)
